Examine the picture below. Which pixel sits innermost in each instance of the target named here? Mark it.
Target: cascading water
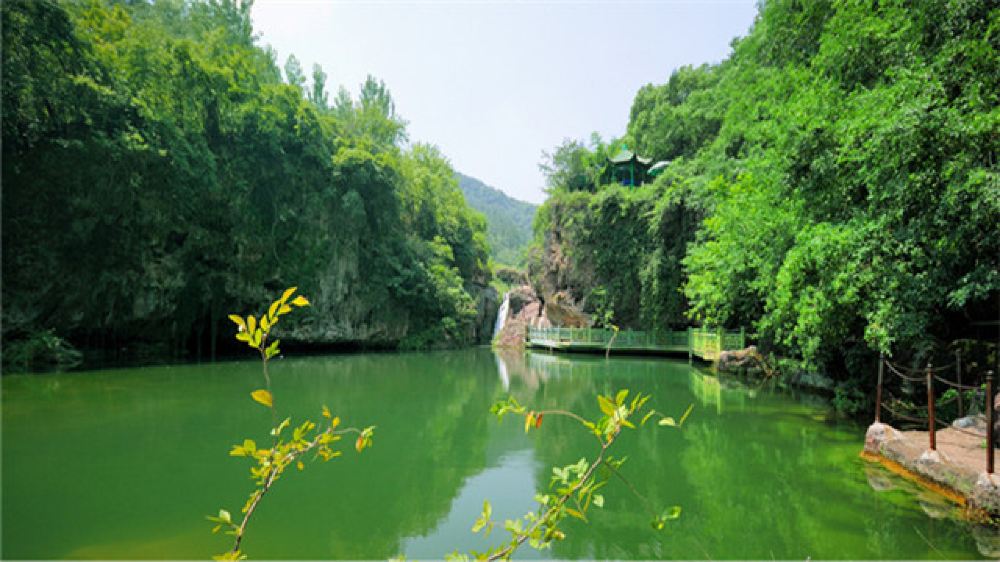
(501, 315)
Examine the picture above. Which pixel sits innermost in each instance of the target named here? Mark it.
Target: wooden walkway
(701, 343)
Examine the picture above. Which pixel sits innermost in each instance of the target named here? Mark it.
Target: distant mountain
(508, 220)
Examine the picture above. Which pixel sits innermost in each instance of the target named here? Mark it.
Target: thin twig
(509, 549)
(921, 535)
(276, 469)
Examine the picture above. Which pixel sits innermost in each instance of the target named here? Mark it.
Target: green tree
(293, 72)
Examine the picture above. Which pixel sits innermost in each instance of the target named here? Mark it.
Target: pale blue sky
(493, 84)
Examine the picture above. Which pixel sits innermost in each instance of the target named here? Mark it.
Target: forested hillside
(508, 221)
(160, 170)
(833, 187)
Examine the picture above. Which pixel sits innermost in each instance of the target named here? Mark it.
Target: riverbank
(956, 469)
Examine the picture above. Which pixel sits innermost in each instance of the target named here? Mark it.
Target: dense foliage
(833, 186)
(508, 228)
(159, 170)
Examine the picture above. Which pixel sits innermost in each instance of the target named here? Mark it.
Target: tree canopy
(833, 186)
(159, 170)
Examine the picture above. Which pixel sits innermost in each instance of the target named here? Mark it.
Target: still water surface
(126, 463)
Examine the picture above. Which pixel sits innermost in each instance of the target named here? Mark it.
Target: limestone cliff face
(561, 267)
(348, 309)
(561, 273)
(487, 303)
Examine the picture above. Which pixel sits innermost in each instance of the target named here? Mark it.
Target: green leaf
(645, 418)
(621, 396)
(668, 421)
(251, 323)
(598, 500)
(607, 406)
(300, 301)
(288, 293)
(272, 349)
(686, 414)
(263, 396)
(238, 320)
(483, 522)
(281, 426)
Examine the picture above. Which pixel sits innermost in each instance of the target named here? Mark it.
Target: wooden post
(932, 434)
(958, 378)
(990, 415)
(878, 393)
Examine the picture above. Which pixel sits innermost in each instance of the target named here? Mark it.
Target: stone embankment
(956, 468)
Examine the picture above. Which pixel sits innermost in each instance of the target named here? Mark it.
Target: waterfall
(501, 315)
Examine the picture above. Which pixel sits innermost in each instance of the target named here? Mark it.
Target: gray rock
(987, 540)
(975, 422)
(878, 434)
(986, 492)
(521, 297)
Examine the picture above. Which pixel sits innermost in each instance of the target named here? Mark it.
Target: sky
(494, 84)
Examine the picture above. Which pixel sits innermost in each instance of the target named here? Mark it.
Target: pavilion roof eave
(626, 156)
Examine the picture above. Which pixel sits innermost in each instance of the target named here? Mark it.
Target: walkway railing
(710, 343)
(928, 377)
(704, 343)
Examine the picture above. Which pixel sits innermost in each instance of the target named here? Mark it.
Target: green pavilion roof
(657, 168)
(626, 155)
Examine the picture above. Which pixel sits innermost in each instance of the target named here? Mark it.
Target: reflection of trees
(765, 476)
(431, 411)
(156, 441)
(622, 528)
(758, 475)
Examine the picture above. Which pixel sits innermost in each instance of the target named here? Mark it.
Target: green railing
(708, 344)
(702, 342)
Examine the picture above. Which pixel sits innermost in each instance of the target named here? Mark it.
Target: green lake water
(126, 463)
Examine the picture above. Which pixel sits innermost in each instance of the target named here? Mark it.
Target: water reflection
(758, 474)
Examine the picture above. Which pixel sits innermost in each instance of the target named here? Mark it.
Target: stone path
(958, 464)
